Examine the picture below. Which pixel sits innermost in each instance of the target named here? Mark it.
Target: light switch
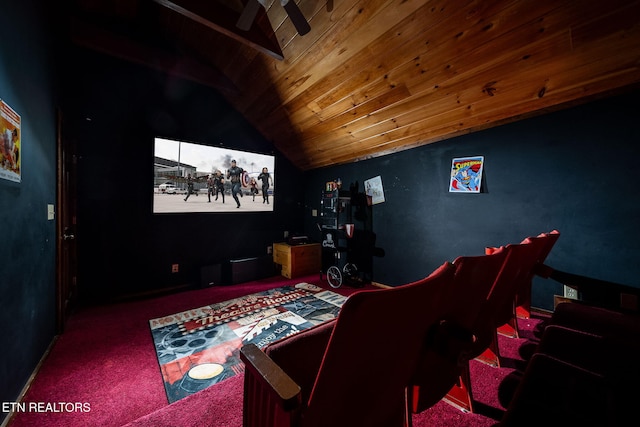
(51, 212)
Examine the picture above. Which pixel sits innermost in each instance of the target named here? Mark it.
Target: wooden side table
(297, 260)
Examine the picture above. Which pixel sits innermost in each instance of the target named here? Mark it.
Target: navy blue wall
(572, 170)
(27, 249)
(123, 249)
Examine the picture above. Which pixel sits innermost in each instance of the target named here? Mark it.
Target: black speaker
(211, 275)
(249, 269)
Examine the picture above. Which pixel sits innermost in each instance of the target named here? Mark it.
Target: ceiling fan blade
(296, 16)
(248, 15)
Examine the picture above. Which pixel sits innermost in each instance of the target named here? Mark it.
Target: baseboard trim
(381, 285)
(26, 387)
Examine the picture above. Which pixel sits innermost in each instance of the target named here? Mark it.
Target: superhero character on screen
(235, 174)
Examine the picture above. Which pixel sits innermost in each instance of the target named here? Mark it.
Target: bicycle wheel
(334, 276)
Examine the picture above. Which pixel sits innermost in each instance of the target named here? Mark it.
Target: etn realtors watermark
(43, 407)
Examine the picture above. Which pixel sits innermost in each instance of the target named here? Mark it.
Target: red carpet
(103, 371)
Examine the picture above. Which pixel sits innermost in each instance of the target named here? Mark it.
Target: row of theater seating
(584, 371)
(492, 290)
(395, 351)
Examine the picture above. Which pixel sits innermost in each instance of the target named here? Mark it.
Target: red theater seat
(357, 369)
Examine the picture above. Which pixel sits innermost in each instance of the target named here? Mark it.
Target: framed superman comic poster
(466, 174)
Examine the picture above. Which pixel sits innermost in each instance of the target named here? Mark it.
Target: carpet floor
(103, 371)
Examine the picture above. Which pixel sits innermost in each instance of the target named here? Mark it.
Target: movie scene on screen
(194, 177)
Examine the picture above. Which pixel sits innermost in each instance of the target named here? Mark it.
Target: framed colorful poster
(466, 174)
(10, 158)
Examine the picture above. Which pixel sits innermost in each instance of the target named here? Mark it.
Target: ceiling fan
(251, 10)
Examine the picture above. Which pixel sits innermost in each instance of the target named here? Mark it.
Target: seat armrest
(270, 376)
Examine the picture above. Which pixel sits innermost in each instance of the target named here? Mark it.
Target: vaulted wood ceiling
(374, 77)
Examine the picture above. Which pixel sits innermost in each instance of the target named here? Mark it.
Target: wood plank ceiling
(373, 77)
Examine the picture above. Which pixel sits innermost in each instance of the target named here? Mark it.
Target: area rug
(200, 347)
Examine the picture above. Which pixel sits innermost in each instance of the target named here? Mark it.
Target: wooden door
(66, 262)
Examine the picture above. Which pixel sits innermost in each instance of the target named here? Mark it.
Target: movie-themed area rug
(200, 347)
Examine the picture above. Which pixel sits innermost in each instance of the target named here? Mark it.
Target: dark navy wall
(571, 170)
(123, 248)
(27, 248)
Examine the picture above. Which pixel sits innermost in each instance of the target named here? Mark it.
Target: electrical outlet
(570, 293)
(175, 268)
(269, 250)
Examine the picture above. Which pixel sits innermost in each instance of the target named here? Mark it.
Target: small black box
(249, 269)
(211, 275)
